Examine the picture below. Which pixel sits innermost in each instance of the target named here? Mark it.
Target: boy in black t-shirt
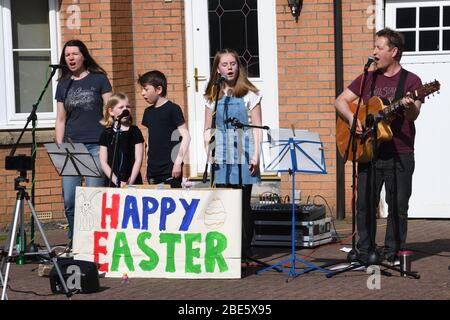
(166, 128)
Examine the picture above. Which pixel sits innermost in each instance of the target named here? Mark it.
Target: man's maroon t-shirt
(403, 130)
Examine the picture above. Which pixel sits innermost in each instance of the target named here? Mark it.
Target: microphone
(58, 66)
(125, 113)
(370, 60)
(269, 138)
(221, 79)
(233, 121)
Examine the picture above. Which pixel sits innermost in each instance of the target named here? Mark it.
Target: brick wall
(306, 80)
(306, 86)
(159, 42)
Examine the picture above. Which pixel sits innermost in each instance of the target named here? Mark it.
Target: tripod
(32, 118)
(8, 256)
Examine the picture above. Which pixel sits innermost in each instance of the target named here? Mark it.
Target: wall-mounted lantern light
(296, 8)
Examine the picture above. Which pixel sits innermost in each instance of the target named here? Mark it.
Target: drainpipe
(339, 87)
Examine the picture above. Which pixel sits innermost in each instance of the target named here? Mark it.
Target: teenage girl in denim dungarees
(237, 150)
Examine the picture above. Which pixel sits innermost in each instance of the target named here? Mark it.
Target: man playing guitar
(395, 159)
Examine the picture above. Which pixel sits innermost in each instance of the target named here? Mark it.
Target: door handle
(198, 78)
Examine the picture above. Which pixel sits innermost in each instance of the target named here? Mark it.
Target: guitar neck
(393, 107)
(396, 105)
(419, 93)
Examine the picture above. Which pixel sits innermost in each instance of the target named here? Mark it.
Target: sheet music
(309, 155)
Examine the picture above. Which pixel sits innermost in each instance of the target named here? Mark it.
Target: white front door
(426, 26)
(247, 26)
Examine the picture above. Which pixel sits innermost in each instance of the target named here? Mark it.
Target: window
(234, 24)
(426, 28)
(28, 36)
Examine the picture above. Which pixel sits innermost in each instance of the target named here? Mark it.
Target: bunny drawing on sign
(86, 206)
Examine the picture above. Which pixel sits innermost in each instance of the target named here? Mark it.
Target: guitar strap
(374, 81)
(401, 85)
(398, 91)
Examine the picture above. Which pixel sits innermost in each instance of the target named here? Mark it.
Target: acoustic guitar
(376, 109)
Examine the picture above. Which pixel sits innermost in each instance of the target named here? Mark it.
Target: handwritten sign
(170, 233)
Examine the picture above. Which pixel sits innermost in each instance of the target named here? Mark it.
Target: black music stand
(293, 151)
(72, 159)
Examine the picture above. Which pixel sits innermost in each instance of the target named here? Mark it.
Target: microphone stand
(239, 125)
(212, 138)
(373, 256)
(352, 256)
(116, 134)
(33, 118)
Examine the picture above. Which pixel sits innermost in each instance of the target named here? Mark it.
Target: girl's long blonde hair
(112, 102)
(242, 85)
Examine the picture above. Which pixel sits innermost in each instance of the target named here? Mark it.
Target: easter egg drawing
(215, 214)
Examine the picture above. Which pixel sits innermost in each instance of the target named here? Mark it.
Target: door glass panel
(231, 4)
(446, 40)
(252, 4)
(233, 35)
(234, 24)
(429, 17)
(406, 18)
(410, 41)
(428, 40)
(446, 15)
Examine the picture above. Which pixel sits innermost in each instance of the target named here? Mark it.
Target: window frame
(420, 4)
(11, 119)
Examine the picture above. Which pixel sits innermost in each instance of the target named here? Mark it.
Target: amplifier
(79, 275)
(278, 233)
(283, 211)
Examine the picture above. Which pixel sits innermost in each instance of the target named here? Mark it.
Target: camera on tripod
(19, 163)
